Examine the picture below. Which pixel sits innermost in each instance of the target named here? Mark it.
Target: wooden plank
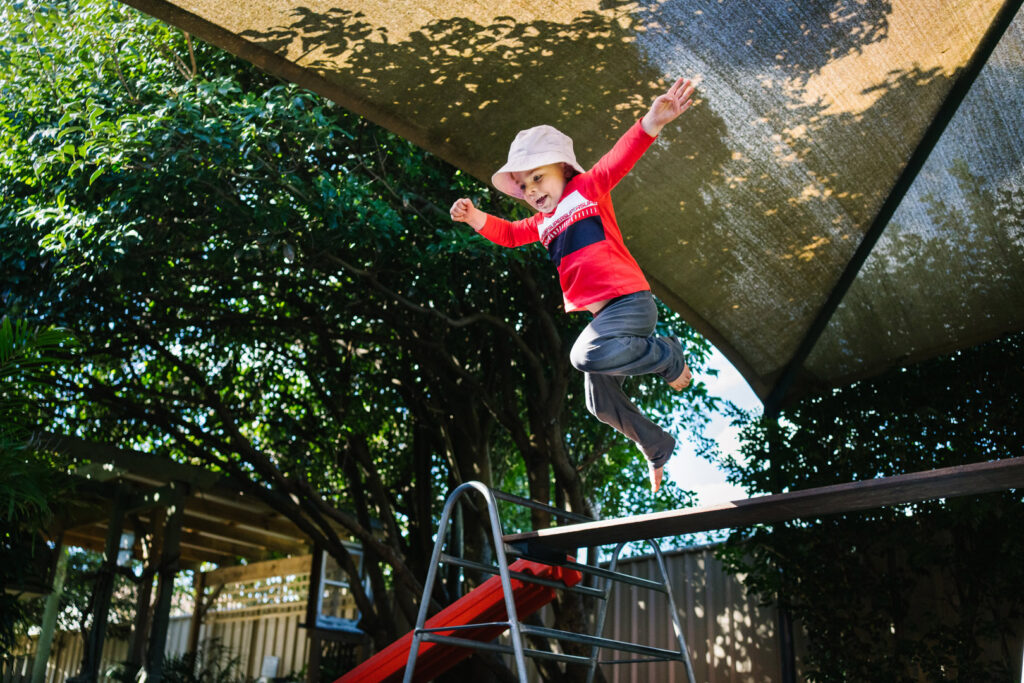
(194, 546)
(259, 570)
(948, 482)
(232, 547)
(189, 554)
(255, 516)
(231, 532)
(161, 469)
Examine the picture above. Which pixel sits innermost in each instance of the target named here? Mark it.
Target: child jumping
(577, 225)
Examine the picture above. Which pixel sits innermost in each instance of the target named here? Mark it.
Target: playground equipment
(481, 608)
(502, 603)
(947, 482)
(544, 565)
(515, 627)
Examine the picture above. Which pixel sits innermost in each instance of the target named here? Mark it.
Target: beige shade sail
(846, 195)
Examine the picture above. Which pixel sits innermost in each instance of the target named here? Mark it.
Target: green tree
(925, 591)
(271, 288)
(79, 595)
(31, 482)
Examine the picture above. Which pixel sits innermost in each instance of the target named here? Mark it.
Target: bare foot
(683, 380)
(655, 474)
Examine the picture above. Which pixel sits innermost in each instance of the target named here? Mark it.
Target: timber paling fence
(249, 637)
(731, 637)
(16, 669)
(250, 621)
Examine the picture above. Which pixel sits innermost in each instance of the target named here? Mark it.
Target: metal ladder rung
(602, 573)
(604, 643)
(464, 627)
(643, 660)
(529, 578)
(534, 505)
(504, 649)
(618, 576)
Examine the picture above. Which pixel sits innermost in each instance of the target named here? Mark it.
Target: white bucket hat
(533, 148)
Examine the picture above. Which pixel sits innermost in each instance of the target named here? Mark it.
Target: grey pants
(618, 343)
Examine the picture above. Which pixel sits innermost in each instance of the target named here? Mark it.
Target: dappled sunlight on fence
(730, 636)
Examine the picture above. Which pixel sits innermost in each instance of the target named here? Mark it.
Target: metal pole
(787, 653)
(506, 582)
(675, 614)
(602, 611)
(458, 544)
(428, 585)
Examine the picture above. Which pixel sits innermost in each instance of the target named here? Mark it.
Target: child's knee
(579, 357)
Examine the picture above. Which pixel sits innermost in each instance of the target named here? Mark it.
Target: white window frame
(339, 623)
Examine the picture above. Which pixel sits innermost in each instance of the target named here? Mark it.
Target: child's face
(542, 187)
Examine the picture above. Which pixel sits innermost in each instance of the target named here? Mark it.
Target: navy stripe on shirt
(582, 233)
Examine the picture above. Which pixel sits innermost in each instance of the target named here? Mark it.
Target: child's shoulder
(577, 182)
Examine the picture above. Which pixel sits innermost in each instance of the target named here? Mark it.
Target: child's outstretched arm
(464, 211)
(666, 107)
(497, 230)
(618, 161)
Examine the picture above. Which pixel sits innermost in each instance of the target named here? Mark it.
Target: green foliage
(213, 663)
(78, 596)
(27, 357)
(30, 481)
(925, 591)
(270, 287)
(216, 664)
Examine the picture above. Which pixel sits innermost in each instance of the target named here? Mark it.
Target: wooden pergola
(219, 524)
(172, 517)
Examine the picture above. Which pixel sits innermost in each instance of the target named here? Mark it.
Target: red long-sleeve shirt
(581, 235)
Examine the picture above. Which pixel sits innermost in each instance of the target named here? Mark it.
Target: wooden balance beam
(947, 482)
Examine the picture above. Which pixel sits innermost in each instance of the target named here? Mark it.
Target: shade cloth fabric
(747, 212)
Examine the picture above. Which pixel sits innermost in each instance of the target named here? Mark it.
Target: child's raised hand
(666, 107)
(460, 208)
(464, 211)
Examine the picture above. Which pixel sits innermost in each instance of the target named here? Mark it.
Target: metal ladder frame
(516, 629)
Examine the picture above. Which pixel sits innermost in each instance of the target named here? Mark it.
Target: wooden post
(198, 612)
(89, 672)
(140, 629)
(316, 645)
(50, 617)
(143, 608)
(312, 612)
(170, 556)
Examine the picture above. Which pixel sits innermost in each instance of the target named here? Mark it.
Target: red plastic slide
(483, 604)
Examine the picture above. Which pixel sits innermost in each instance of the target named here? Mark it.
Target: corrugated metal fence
(731, 638)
